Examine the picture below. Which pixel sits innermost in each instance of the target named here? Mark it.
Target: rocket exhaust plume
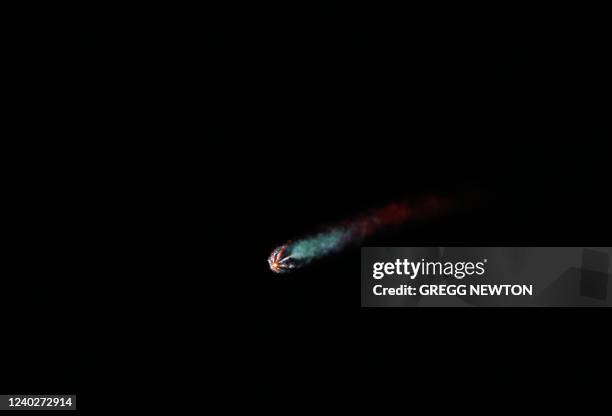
(295, 254)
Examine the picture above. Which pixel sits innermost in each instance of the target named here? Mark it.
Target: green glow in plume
(319, 245)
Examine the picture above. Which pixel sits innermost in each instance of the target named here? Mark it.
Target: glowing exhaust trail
(295, 254)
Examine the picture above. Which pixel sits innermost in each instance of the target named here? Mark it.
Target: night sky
(286, 117)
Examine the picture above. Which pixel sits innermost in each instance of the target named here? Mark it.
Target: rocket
(279, 261)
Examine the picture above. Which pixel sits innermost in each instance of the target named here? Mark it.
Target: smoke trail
(295, 254)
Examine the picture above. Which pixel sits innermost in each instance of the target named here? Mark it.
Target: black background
(343, 107)
(43, 292)
(286, 118)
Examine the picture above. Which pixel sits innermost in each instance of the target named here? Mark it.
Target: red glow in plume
(397, 213)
